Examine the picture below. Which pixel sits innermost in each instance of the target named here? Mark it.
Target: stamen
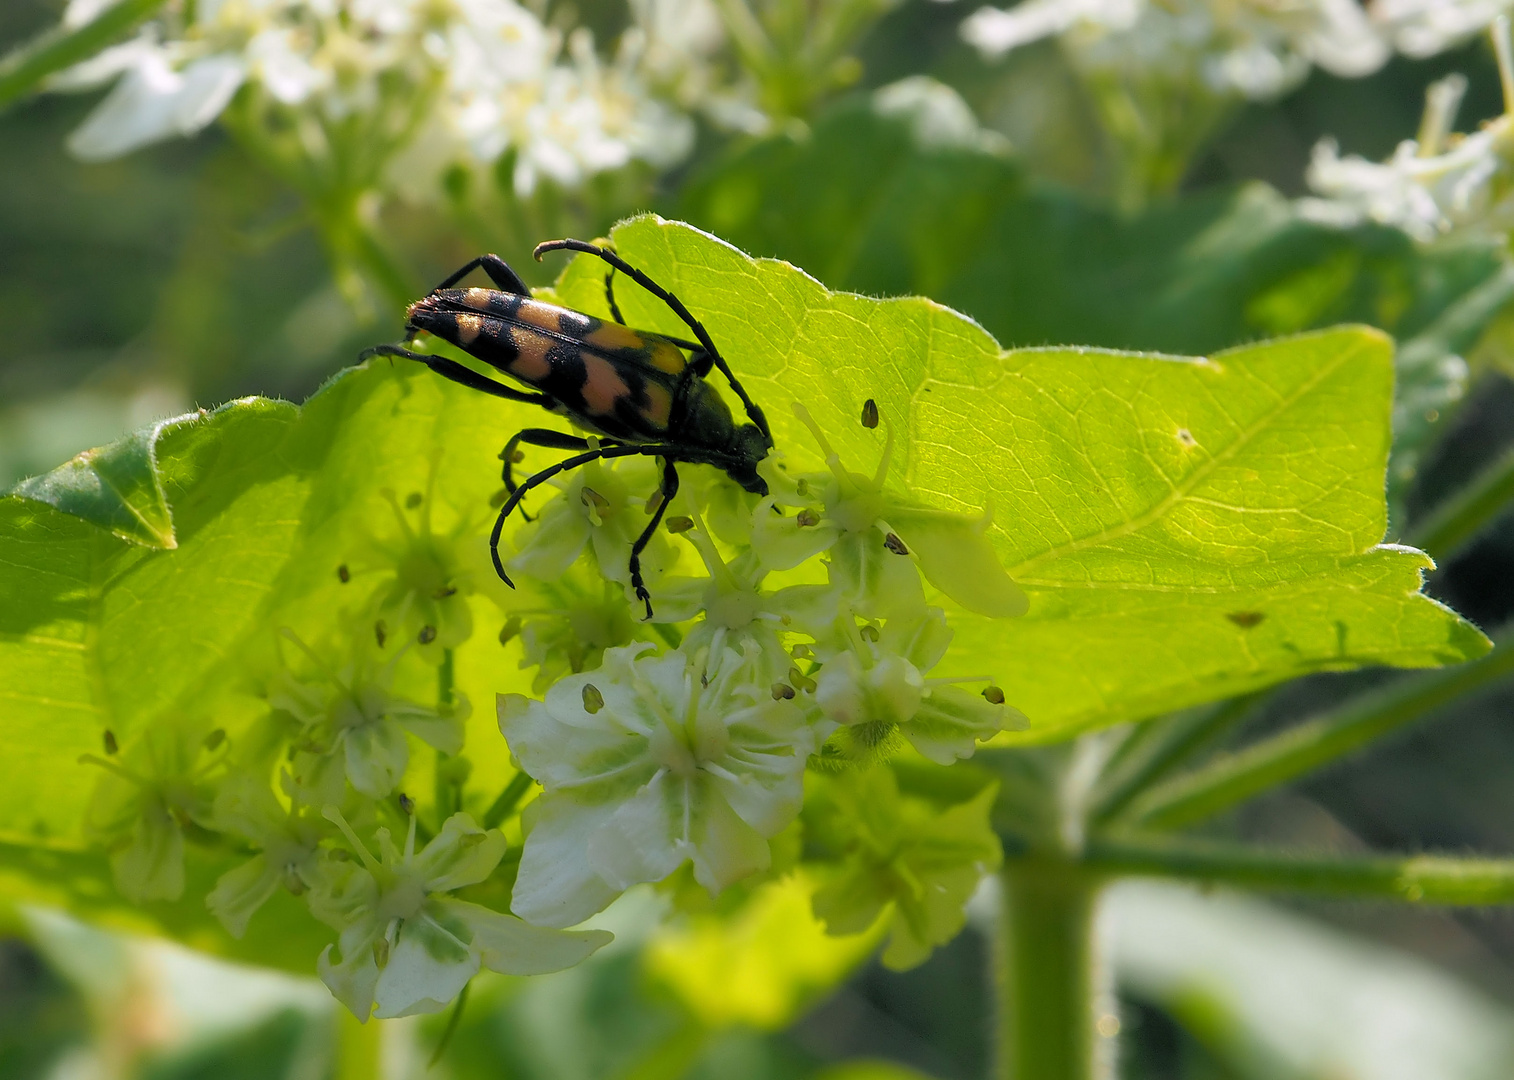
(883, 462)
(399, 515)
(112, 767)
(333, 815)
(315, 658)
(832, 459)
(1442, 99)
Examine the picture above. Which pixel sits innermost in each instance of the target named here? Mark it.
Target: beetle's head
(750, 446)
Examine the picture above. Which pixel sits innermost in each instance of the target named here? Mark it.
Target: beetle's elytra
(641, 393)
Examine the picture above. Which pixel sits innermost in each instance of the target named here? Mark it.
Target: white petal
(428, 966)
(240, 892)
(555, 885)
(514, 947)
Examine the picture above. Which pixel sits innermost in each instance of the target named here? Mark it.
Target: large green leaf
(1188, 528)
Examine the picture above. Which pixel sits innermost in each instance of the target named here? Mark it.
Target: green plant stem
(1046, 983)
(1458, 520)
(24, 69)
(360, 1049)
(445, 791)
(1427, 879)
(1157, 749)
(1312, 744)
(514, 791)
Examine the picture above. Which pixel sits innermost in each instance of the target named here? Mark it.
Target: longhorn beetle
(634, 389)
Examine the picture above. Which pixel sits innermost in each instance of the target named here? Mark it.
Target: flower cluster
(793, 634)
(1437, 184)
(812, 645)
(455, 81)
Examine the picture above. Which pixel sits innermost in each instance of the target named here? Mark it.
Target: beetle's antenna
(752, 409)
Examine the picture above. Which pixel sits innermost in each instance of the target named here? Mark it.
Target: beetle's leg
(668, 489)
(536, 481)
(677, 306)
(459, 373)
(544, 437)
(498, 270)
(610, 296)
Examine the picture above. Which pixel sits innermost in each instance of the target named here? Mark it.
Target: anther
(427, 635)
(593, 699)
(343, 574)
(381, 952)
(802, 486)
(442, 594)
(782, 692)
(112, 748)
(655, 501)
(678, 525)
(509, 630)
(215, 738)
(993, 695)
(598, 505)
(798, 679)
(380, 632)
(407, 804)
(894, 544)
(869, 413)
(517, 457)
(869, 632)
(807, 518)
(413, 500)
(803, 652)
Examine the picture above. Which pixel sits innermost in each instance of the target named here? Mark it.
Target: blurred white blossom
(468, 79)
(1426, 27)
(1434, 185)
(1256, 49)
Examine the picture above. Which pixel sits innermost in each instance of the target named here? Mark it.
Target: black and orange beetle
(636, 390)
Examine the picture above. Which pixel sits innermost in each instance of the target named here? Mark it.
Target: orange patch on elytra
(542, 316)
(659, 404)
(468, 327)
(614, 336)
(665, 356)
(531, 364)
(478, 299)
(602, 385)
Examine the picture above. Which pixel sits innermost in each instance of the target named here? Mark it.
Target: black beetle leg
(668, 489)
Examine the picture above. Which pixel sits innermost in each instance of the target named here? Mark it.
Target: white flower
(874, 686)
(154, 100)
(463, 80)
(646, 766)
(354, 728)
(1426, 27)
(407, 947)
(1426, 190)
(287, 841)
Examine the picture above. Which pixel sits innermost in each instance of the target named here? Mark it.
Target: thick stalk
(360, 1050)
(1313, 744)
(1416, 879)
(1047, 986)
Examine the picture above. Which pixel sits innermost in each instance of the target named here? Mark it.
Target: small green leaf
(116, 487)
